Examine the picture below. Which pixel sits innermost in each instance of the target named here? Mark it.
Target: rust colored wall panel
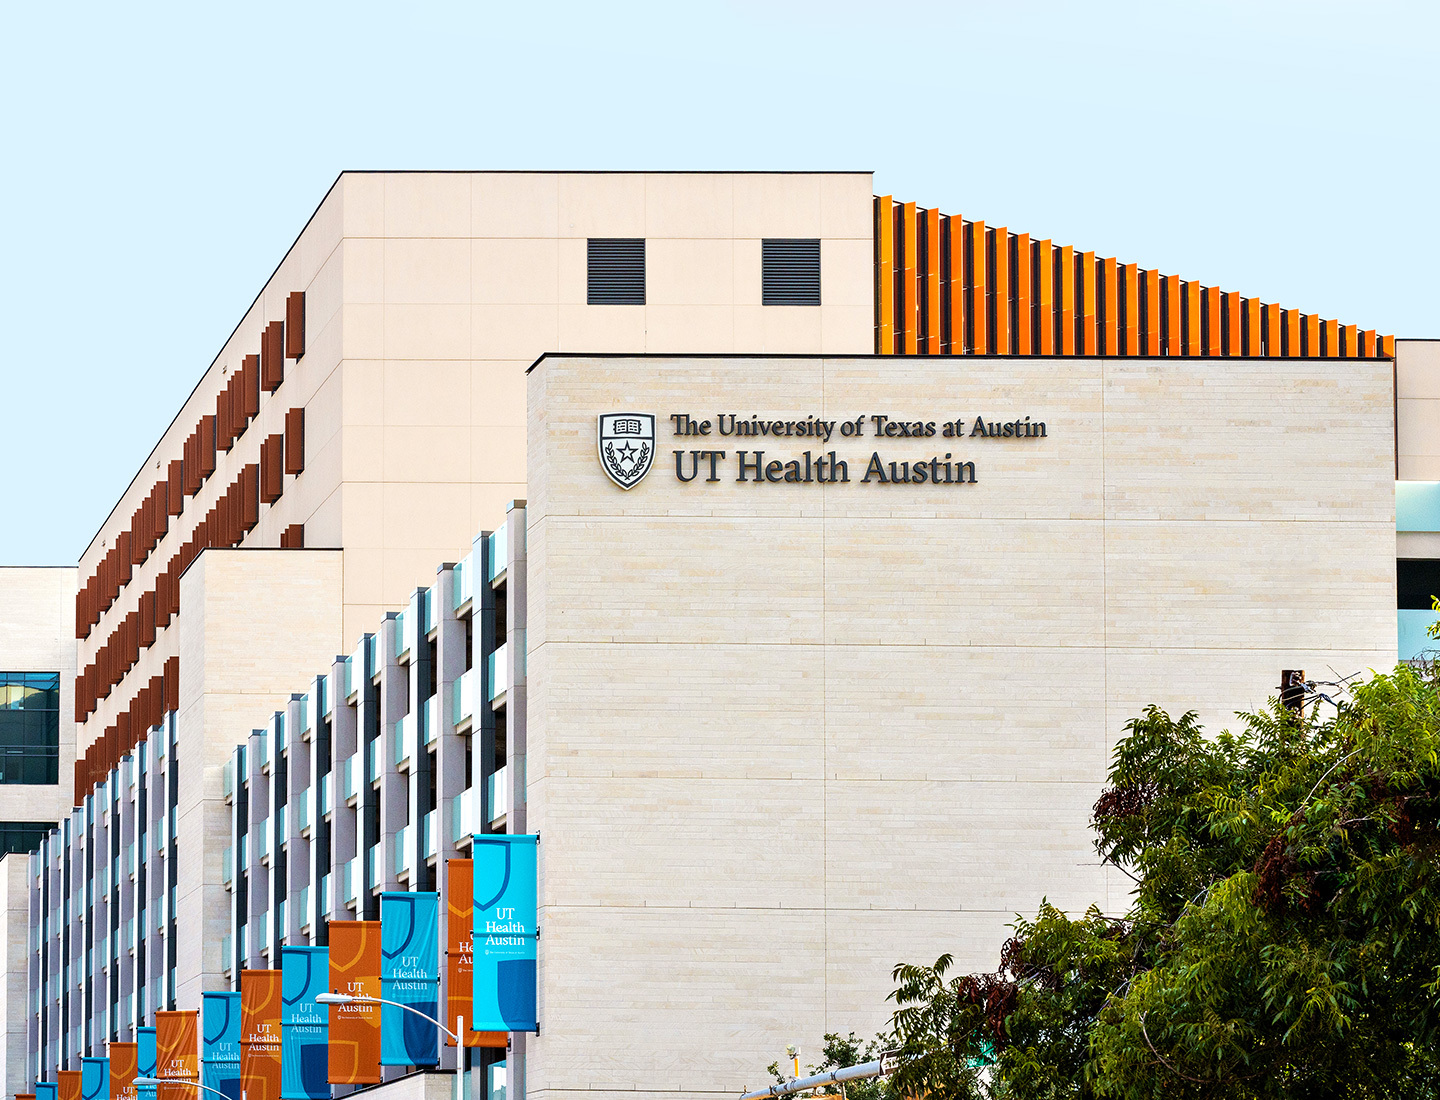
(1212, 316)
(1131, 343)
(295, 441)
(1066, 262)
(1089, 305)
(979, 266)
(1045, 297)
(175, 487)
(1024, 281)
(250, 387)
(884, 275)
(207, 446)
(908, 299)
(147, 619)
(930, 311)
(272, 468)
(295, 324)
(1108, 305)
(293, 537)
(249, 503)
(272, 357)
(998, 243)
(172, 684)
(955, 282)
(1253, 330)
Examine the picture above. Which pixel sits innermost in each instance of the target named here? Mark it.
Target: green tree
(1284, 936)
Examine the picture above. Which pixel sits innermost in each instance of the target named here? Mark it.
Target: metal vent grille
(790, 272)
(616, 268)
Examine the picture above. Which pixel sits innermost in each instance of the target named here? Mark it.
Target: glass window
(30, 727)
(23, 836)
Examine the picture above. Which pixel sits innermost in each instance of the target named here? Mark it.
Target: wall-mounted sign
(627, 445)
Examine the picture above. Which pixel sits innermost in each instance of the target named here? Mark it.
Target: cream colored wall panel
(424, 394)
(363, 453)
(322, 526)
(423, 515)
(363, 203)
(678, 843)
(572, 274)
(747, 289)
(489, 502)
(847, 330)
(974, 846)
(325, 292)
(496, 454)
(426, 332)
(1023, 585)
(1418, 427)
(427, 204)
(426, 454)
(497, 394)
(513, 331)
(601, 328)
(515, 204)
(777, 330)
(688, 272)
(609, 975)
(778, 729)
(689, 204)
(847, 273)
(671, 329)
(933, 713)
(363, 260)
(1417, 544)
(363, 576)
(364, 503)
(1419, 468)
(324, 411)
(764, 587)
(847, 205)
(363, 332)
(408, 569)
(1191, 585)
(319, 242)
(361, 619)
(1203, 443)
(777, 205)
(428, 270)
(857, 982)
(602, 205)
(1217, 683)
(1417, 370)
(514, 272)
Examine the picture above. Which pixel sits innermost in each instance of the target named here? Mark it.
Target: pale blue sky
(161, 158)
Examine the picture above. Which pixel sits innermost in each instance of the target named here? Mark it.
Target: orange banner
(67, 1084)
(459, 955)
(260, 992)
(355, 1029)
(124, 1064)
(177, 1053)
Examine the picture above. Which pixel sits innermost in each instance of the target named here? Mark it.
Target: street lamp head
(334, 999)
(145, 1082)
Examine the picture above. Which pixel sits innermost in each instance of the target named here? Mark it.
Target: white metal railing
(464, 699)
(499, 668)
(404, 837)
(499, 788)
(431, 713)
(462, 815)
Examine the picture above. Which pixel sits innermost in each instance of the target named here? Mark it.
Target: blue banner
(219, 1043)
(144, 1062)
(304, 1024)
(505, 932)
(47, 1090)
(410, 975)
(94, 1079)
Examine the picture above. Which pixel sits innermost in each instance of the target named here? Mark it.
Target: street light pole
(146, 1082)
(360, 998)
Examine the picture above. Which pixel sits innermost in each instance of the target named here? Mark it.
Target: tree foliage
(1283, 938)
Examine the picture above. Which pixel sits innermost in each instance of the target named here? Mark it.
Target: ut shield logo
(627, 446)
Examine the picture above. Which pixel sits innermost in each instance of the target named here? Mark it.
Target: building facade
(779, 727)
